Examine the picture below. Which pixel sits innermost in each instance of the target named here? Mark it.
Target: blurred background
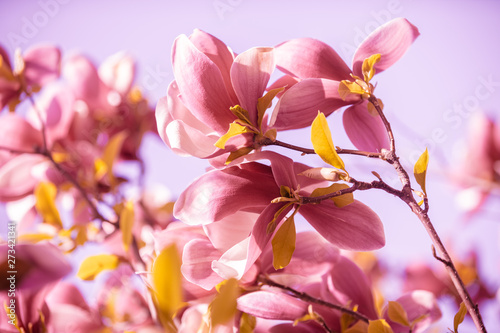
(432, 95)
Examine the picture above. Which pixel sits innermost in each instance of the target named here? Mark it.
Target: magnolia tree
(225, 256)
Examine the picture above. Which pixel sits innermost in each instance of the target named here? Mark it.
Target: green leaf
(397, 314)
(234, 129)
(223, 307)
(45, 204)
(126, 224)
(459, 317)
(420, 169)
(167, 282)
(368, 67)
(94, 265)
(284, 243)
(340, 201)
(321, 138)
(379, 326)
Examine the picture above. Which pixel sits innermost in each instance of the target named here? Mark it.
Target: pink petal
(350, 285)
(259, 237)
(42, 65)
(354, 227)
(220, 54)
(233, 263)
(16, 179)
(18, 134)
(180, 130)
(285, 81)
(197, 260)
(84, 81)
(9, 90)
(250, 74)
(311, 58)
(281, 166)
(298, 107)
(270, 305)
(65, 293)
(365, 131)
(230, 230)
(201, 85)
(220, 193)
(118, 72)
(391, 41)
(417, 303)
(56, 109)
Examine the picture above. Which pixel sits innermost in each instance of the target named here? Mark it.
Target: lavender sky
(430, 94)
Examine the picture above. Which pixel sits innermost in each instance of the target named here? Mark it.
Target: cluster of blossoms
(226, 256)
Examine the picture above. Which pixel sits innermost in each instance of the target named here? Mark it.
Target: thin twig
(309, 299)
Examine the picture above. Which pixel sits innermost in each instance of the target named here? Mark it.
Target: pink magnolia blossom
(252, 186)
(32, 70)
(209, 80)
(320, 70)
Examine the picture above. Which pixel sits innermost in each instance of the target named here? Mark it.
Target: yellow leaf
(45, 194)
(100, 169)
(167, 282)
(94, 265)
(241, 114)
(223, 307)
(238, 153)
(321, 138)
(359, 327)
(265, 102)
(379, 326)
(247, 323)
(126, 224)
(284, 243)
(60, 157)
(397, 313)
(234, 129)
(420, 169)
(459, 317)
(34, 238)
(112, 152)
(81, 234)
(368, 67)
(347, 87)
(340, 201)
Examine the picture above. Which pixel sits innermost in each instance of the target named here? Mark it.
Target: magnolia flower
(320, 70)
(213, 88)
(32, 70)
(252, 187)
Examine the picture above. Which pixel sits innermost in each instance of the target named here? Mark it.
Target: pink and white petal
(42, 65)
(347, 282)
(260, 237)
(16, 178)
(390, 40)
(118, 72)
(219, 53)
(230, 230)
(250, 74)
(354, 227)
(19, 134)
(233, 262)
(220, 193)
(298, 107)
(310, 58)
(201, 85)
(188, 141)
(365, 131)
(271, 305)
(197, 260)
(417, 304)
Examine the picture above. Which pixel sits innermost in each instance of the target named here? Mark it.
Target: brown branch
(409, 199)
(309, 299)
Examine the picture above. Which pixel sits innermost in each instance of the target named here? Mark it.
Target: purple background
(456, 52)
